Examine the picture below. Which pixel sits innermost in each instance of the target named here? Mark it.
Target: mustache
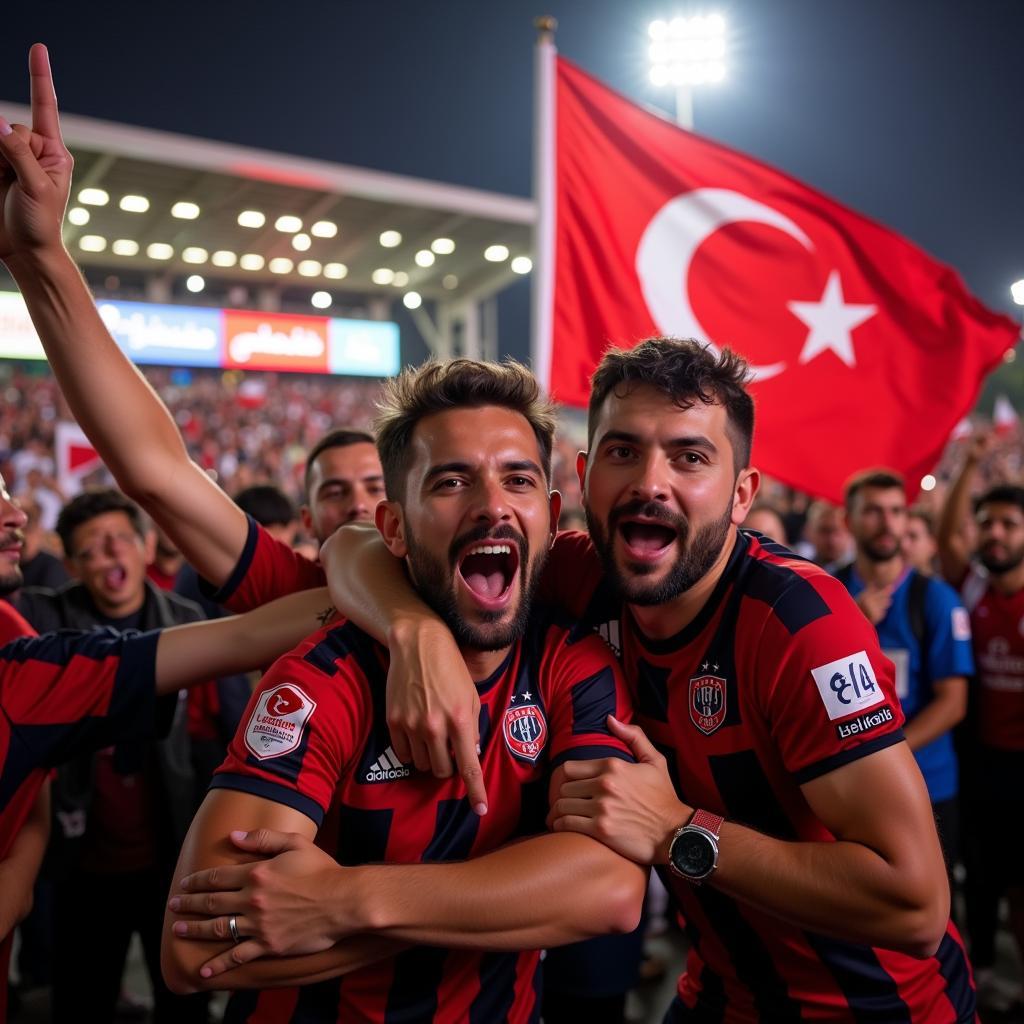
(480, 534)
(653, 510)
(12, 537)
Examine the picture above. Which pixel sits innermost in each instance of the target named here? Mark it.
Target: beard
(435, 582)
(12, 579)
(998, 566)
(697, 553)
(873, 553)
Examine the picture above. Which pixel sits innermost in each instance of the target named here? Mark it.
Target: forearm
(19, 868)
(839, 888)
(241, 643)
(102, 387)
(545, 891)
(955, 511)
(944, 712)
(368, 584)
(349, 955)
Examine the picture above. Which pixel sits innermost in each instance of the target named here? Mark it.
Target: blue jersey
(947, 653)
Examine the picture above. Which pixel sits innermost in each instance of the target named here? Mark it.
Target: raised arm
(208, 846)
(240, 643)
(954, 555)
(432, 705)
(149, 460)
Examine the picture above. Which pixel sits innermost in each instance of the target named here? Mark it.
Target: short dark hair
(879, 479)
(267, 504)
(925, 515)
(92, 503)
(1001, 494)
(437, 386)
(687, 371)
(340, 438)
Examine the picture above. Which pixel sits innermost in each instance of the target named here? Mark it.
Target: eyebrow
(690, 441)
(347, 480)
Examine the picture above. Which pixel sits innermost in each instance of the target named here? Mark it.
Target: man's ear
(307, 520)
(556, 510)
(581, 469)
(391, 524)
(748, 483)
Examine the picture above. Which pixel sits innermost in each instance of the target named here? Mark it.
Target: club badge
(526, 731)
(278, 721)
(707, 702)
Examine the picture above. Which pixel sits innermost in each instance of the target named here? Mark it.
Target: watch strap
(706, 820)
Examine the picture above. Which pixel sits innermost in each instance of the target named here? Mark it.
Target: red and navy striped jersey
(997, 621)
(315, 738)
(62, 694)
(266, 569)
(13, 624)
(777, 681)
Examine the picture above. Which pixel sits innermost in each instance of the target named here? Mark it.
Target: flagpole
(544, 198)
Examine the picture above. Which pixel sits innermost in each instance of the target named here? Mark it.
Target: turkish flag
(76, 457)
(865, 350)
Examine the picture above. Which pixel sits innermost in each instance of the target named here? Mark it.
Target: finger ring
(233, 928)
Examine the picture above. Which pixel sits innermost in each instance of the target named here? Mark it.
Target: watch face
(693, 855)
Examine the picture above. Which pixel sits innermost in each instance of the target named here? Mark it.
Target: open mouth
(115, 577)
(646, 541)
(489, 571)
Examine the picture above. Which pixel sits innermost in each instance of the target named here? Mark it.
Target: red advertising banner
(275, 341)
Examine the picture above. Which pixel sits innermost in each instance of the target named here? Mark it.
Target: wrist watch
(693, 854)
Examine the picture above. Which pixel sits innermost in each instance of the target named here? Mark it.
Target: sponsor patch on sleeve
(278, 721)
(867, 722)
(961, 623)
(847, 685)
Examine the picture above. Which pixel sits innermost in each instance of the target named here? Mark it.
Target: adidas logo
(387, 768)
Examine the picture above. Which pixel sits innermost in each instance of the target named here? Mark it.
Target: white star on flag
(831, 320)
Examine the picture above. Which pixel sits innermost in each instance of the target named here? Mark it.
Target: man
(466, 452)
(62, 695)
(767, 520)
(922, 628)
(827, 536)
(993, 592)
(767, 702)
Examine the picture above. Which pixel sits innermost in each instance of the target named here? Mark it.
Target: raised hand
(35, 170)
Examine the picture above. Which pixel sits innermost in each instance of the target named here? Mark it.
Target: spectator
(826, 532)
(919, 546)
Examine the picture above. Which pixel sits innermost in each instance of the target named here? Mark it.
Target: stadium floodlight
(194, 254)
(310, 268)
(324, 229)
(928, 482)
(224, 258)
(251, 261)
(496, 253)
(687, 52)
(92, 243)
(522, 265)
(450, 282)
(195, 283)
(125, 247)
(443, 246)
(400, 280)
(159, 251)
(335, 271)
(1017, 292)
(252, 219)
(412, 300)
(321, 300)
(280, 265)
(134, 204)
(424, 258)
(185, 210)
(301, 242)
(93, 197)
(78, 216)
(382, 275)
(390, 239)
(288, 223)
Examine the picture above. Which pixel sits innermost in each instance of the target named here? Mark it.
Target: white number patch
(961, 622)
(847, 685)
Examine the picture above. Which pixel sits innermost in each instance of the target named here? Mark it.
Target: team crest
(278, 721)
(707, 702)
(526, 731)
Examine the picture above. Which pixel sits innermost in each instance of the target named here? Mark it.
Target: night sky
(910, 111)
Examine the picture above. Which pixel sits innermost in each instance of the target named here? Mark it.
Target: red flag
(1004, 417)
(76, 457)
(866, 350)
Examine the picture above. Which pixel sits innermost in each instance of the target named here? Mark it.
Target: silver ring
(233, 928)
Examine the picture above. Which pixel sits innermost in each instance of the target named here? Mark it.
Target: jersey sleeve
(266, 570)
(13, 624)
(949, 633)
(572, 573)
(828, 692)
(71, 692)
(298, 733)
(583, 685)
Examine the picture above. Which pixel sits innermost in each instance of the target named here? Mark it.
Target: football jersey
(777, 681)
(315, 738)
(62, 694)
(997, 623)
(13, 624)
(266, 569)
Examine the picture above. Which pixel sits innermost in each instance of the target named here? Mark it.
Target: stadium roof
(224, 180)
